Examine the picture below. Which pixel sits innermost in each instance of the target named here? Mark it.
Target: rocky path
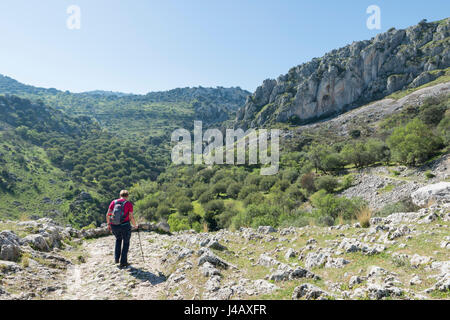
(100, 278)
(404, 255)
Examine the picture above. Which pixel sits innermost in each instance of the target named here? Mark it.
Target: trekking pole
(140, 244)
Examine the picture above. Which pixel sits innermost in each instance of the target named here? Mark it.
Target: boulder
(268, 261)
(9, 266)
(9, 246)
(163, 227)
(36, 241)
(309, 292)
(208, 270)
(438, 193)
(210, 257)
(266, 229)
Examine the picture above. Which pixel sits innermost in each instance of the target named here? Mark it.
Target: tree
(307, 182)
(413, 143)
(316, 153)
(212, 209)
(233, 190)
(184, 205)
(444, 129)
(267, 182)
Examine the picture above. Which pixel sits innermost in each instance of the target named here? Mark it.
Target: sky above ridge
(143, 45)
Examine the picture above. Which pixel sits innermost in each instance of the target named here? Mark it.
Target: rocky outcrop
(438, 193)
(351, 76)
(9, 246)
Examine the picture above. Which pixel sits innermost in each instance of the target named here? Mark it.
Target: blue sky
(144, 45)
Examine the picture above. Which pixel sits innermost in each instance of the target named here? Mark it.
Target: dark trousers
(122, 234)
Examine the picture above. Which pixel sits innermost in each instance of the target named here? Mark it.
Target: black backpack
(118, 214)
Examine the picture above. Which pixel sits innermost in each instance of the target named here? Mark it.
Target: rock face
(439, 192)
(351, 76)
(9, 246)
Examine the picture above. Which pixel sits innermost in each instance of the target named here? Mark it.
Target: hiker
(118, 218)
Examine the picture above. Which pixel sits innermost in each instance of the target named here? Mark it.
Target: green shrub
(328, 205)
(444, 129)
(327, 183)
(207, 196)
(178, 223)
(347, 182)
(184, 205)
(296, 219)
(307, 181)
(163, 211)
(414, 143)
(267, 182)
(405, 205)
(234, 189)
(246, 190)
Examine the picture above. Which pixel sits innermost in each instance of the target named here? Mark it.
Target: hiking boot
(124, 265)
(117, 261)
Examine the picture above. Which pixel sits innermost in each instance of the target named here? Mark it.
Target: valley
(358, 209)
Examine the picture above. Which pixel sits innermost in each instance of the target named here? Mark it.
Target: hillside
(351, 76)
(151, 117)
(62, 166)
(65, 155)
(371, 157)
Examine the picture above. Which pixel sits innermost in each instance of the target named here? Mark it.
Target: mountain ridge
(351, 76)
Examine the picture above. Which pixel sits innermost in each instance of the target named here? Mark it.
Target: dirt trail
(100, 278)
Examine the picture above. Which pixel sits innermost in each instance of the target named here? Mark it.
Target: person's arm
(133, 222)
(108, 217)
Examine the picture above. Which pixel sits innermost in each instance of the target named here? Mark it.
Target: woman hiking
(118, 218)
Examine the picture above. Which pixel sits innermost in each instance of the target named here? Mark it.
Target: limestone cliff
(351, 76)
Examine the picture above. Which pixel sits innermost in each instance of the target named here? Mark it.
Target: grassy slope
(39, 179)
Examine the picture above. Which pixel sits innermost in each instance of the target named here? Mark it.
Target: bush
(327, 183)
(332, 206)
(444, 129)
(240, 220)
(432, 115)
(355, 134)
(405, 205)
(282, 185)
(254, 198)
(219, 188)
(233, 190)
(296, 219)
(347, 182)
(163, 211)
(147, 207)
(212, 209)
(365, 153)
(327, 221)
(332, 162)
(252, 180)
(178, 223)
(267, 182)
(307, 181)
(290, 175)
(206, 196)
(294, 192)
(184, 205)
(198, 189)
(414, 143)
(246, 190)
